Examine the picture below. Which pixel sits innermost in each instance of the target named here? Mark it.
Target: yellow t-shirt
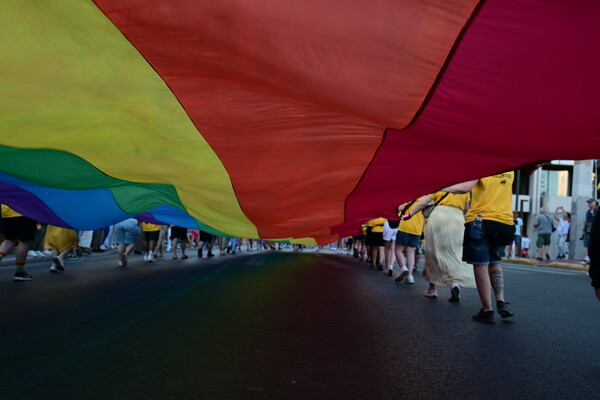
(453, 199)
(414, 225)
(377, 224)
(492, 198)
(8, 212)
(148, 227)
(363, 230)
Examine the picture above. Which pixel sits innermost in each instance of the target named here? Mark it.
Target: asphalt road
(288, 326)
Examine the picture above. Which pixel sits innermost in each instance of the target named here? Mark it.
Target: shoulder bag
(429, 209)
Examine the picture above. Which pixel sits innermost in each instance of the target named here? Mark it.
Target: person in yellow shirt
(360, 243)
(61, 241)
(443, 247)
(488, 229)
(19, 231)
(151, 233)
(376, 242)
(407, 239)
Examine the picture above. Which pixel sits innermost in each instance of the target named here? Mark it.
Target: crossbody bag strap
(551, 221)
(441, 198)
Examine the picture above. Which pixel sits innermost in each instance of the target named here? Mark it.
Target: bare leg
(7, 246)
(410, 259)
(22, 249)
(484, 286)
(497, 280)
(183, 245)
(399, 255)
(174, 246)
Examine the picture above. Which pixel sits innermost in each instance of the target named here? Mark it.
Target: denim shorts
(586, 240)
(407, 240)
(480, 251)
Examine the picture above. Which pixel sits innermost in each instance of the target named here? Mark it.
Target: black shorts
(377, 239)
(206, 237)
(151, 236)
(178, 233)
(19, 228)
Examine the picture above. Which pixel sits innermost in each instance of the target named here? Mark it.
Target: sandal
(174, 257)
(183, 257)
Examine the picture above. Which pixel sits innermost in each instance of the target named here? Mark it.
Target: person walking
(376, 244)
(390, 230)
(151, 234)
(488, 229)
(443, 247)
(545, 226)
(126, 234)
(61, 241)
(179, 233)
(18, 230)
(206, 238)
(407, 239)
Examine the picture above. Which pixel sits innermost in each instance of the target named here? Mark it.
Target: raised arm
(556, 212)
(421, 204)
(461, 188)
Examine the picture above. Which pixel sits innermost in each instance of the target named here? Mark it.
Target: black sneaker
(484, 316)
(454, 295)
(57, 266)
(22, 276)
(503, 309)
(199, 253)
(547, 256)
(390, 273)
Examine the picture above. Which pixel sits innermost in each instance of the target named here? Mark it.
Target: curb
(552, 264)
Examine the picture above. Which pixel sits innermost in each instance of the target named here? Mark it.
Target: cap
(590, 200)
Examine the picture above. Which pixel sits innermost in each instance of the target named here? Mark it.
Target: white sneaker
(123, 260)
(151, 257)
(145, 256)
(31, 253)
(403, 273)
(585, 261)
(39, 254)
(409, 280)
(47, 252)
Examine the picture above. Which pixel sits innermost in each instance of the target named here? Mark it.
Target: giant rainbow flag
(280, 119)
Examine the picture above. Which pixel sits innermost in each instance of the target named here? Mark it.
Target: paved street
(277, 325)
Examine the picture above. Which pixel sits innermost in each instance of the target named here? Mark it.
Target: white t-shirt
(525, 243)
(563, 227)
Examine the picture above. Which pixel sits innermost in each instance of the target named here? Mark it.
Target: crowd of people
(31, 239)
(465, 230)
